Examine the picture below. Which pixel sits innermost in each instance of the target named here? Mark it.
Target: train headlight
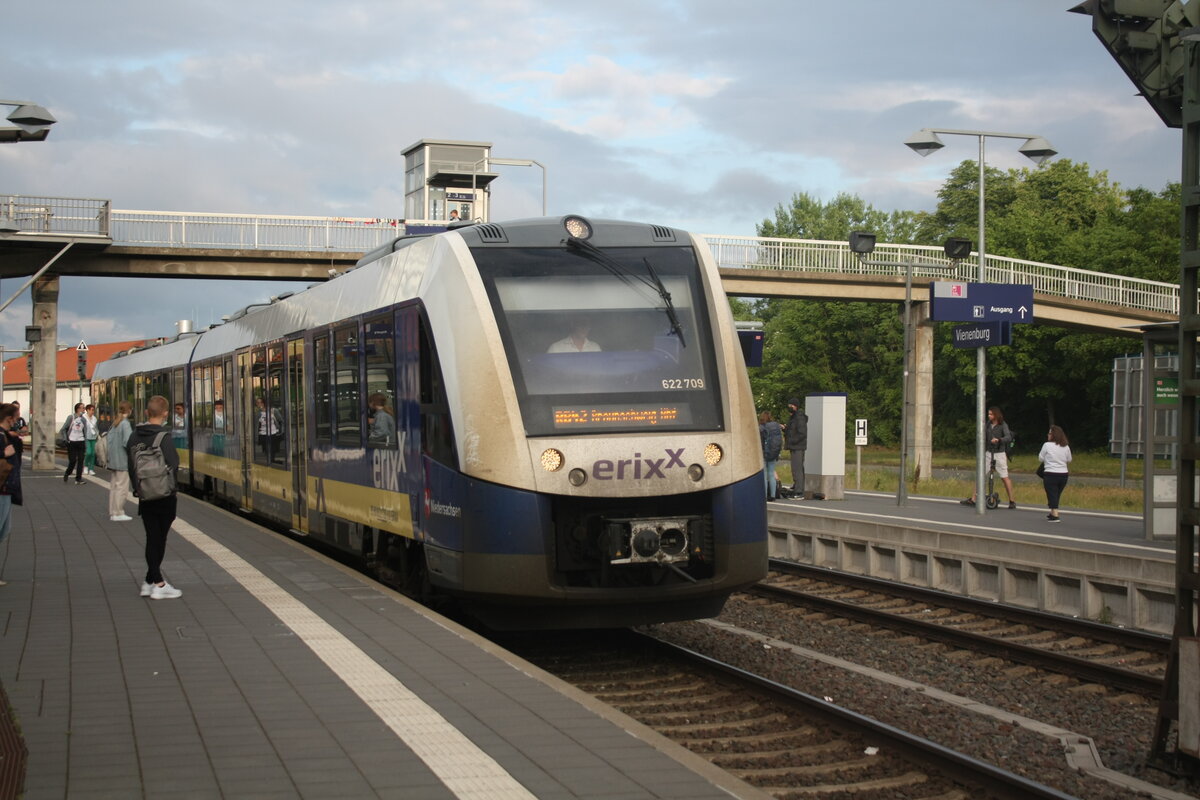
(578, 227)
(645, 542)
(552, 460)
(577, 477)
(696, 472)
(713, 454)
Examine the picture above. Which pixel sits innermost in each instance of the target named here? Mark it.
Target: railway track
(780, 740)
(1118, 658)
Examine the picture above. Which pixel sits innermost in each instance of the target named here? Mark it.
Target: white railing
(253, 231)
(811, 255)
(40, 215)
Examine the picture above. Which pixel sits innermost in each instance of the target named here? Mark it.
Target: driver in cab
(577, 342)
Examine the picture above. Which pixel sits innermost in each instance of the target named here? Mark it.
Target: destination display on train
(633, 415)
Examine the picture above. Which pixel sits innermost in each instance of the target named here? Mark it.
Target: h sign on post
(860, 432)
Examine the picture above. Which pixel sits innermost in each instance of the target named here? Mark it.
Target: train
(547, 421)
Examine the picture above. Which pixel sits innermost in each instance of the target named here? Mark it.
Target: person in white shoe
(157, 515)
(118, 462)
(91, 433)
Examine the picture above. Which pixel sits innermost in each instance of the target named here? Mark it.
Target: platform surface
(279, 673)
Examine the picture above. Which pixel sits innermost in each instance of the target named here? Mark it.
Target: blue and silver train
(548, 420)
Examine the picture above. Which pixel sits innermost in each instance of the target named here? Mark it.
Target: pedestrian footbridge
(110, 241)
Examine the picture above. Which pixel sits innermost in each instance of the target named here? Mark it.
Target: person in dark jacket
(157, 515)
(997, 437)
(771, 434)
(11, 444)
(795, 436)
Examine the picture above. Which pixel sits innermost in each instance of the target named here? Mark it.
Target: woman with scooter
(997, 437)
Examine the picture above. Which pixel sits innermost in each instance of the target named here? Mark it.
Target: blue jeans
(5, 516)
(769, 476)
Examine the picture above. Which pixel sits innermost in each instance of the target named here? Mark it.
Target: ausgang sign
(959, 301)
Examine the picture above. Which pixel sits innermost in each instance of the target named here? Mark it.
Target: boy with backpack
(153, 462)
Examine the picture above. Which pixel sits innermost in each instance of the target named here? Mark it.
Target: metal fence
(65, 216)
(253, 232)
(810, 255)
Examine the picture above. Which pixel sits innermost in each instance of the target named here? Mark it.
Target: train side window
(275, 401)
(346, 395)
(380, 356)
(322, 400)
(218, 396)
(231, 419)
(437, 435)
(262, 421)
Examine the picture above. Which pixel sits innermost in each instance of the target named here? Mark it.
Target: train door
(297, 434)
(245, 415)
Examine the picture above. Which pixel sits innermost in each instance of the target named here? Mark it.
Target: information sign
(959, 301)
(860, 432)
(985, 334)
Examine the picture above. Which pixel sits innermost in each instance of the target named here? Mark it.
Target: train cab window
(348, 432)
(380, 356)
(322, 400)
(594, 346)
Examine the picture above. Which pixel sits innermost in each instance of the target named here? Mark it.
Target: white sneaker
(120, 518)
(91, 472)
(147, 589)
(164, 592)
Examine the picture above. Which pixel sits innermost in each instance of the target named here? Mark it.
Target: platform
(280, 673)
(1095, 565)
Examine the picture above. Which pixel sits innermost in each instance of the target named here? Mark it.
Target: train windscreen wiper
(619, 271)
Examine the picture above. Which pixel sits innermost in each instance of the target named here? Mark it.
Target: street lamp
(510, 162)
(862, 245)
(32, 122)
(1037, 149)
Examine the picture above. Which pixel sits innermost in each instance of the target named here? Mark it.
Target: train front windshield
(595, 346)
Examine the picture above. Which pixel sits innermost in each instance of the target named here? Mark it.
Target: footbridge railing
(41, 216)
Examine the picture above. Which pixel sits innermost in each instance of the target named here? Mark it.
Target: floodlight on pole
(32, 122)
(1037, 149)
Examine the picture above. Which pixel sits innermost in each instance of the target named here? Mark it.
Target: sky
(702, 115)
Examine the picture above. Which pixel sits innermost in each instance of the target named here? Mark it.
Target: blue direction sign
(985, 334)
(957, 301)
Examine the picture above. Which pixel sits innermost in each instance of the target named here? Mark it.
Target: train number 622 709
(683, 383)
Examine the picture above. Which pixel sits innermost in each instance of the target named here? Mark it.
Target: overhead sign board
(959, 301)
(985, 334)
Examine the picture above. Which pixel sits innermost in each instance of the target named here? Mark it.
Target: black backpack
(155, 479)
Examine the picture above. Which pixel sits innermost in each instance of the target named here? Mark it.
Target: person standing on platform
(157, 515)
(11, 444)
(118, 463)
(90, 434)
(74, 430)
(1055, 455)
(795, 436)
(997, 436)
(771, 433)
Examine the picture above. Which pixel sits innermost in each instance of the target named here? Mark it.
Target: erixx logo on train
(637, 468)
(386, 466)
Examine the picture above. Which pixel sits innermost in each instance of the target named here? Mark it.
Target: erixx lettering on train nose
(637, 468)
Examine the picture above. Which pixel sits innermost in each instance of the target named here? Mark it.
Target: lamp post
(32, 122)
(1037, 149)
(510, 162)
(863, 244)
